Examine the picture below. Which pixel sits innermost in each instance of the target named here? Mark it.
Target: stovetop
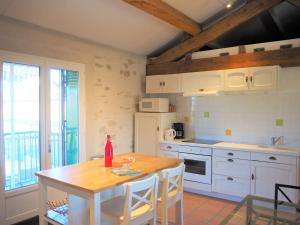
(202, 141)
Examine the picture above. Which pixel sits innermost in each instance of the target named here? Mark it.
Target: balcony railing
(22, 157)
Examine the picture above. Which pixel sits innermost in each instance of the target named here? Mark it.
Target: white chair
(138, 205)
(171, 193)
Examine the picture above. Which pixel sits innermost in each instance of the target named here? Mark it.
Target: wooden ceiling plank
(295, 2)
(283, 57)
(167, 13)
(250, 10)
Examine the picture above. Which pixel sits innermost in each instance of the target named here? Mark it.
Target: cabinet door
(146, 133)
(263, 78)
(203, 81)
(153, 84)
(168, 154)
(266, 175)
(237, 80)
(171, 83)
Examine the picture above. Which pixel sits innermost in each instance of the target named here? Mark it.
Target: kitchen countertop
(282, 150)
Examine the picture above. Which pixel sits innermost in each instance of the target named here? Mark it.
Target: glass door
(21, 124)
(64, 118)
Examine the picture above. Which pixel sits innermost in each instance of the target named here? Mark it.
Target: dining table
(86, 184)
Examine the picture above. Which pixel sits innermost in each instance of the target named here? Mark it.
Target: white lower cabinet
(258, 176)
(231, 176)
(231, 167)
(230, 185)
(265, 175)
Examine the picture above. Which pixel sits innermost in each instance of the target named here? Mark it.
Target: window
(21, 128)
(64, 117)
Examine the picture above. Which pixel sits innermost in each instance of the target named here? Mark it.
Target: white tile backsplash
(251, 117)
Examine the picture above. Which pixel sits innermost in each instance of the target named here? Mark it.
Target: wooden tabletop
(93, 177)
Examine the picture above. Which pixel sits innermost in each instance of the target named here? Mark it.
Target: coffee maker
(179, 128)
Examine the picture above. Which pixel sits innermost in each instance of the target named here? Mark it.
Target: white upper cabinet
(237, 80)
(254, 78)
(263, 78)
(203, 81)
(163, 84)
(242, 79)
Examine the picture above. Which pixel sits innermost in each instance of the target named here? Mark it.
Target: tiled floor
(198, 210)
(202, 210)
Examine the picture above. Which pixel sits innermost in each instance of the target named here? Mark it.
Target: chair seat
(171, 194)
(115, 207)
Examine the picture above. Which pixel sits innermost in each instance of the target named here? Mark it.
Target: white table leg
(42, 202)
(78, 212)
(95, 209)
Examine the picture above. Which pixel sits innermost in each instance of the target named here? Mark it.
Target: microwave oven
(154, 105)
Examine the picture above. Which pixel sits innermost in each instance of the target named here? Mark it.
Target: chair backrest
(140, 197)
(172, 181)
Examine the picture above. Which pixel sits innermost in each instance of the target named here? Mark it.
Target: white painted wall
(114, 79)
(251, 117)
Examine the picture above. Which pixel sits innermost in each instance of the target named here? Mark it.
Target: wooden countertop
(93, 177)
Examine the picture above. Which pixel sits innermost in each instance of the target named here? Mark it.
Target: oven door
(197, 167)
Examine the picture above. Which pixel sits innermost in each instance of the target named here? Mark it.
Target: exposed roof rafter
(295, 2)
(167, 13)
(250, 10)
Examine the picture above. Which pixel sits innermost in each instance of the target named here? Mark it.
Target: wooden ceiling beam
(250, 10)
(295, 2)
(283, 57)
(167, 13)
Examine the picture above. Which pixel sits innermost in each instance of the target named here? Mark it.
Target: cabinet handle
(230, 153)
(164, 83)
(169, 147)
(251, 79)
(160, 83)
(252, 176)
(230, 160)
(247, 79)
(201, 89)
(157, 128)
(230, 178)
(272, 158)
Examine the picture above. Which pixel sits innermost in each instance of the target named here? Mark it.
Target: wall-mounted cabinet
(163, 84)
(243, 79)
(254, 78)
(203, 81)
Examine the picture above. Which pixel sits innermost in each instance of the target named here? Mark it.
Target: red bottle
(108, 152)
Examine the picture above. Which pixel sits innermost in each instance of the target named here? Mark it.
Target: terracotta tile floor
(202, 210)
(197, 210)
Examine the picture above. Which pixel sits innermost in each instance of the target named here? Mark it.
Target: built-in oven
(197, 167)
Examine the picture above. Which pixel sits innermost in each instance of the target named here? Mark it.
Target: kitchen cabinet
(203, 81)
(263, 78)
(149, 131)
(231, 167)
(236, 80)
(163, 84)
(231, 176)
(265, 175)
(255, 78)
(230, 185)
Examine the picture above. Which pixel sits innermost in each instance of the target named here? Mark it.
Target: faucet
(277, 140)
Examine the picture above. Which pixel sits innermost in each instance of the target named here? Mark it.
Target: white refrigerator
(149, 131)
